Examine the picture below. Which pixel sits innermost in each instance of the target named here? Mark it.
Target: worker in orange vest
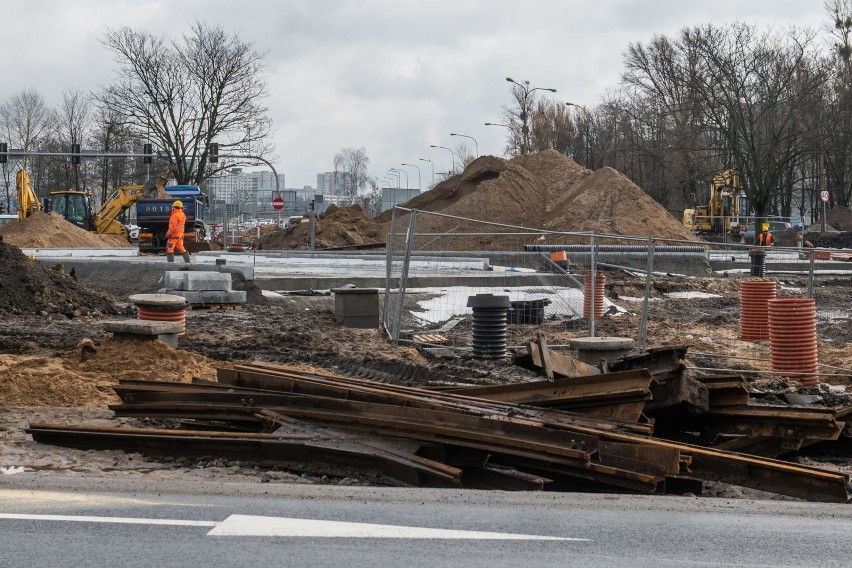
(765, 239)
(174, 236)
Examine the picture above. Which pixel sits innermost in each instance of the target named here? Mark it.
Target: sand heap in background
(49, 230)
(840, 218)
(545, 190)
(30, 287)
(86, 375)
(339, 227)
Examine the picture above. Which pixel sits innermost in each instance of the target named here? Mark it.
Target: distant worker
(174, 236)
(765, 238)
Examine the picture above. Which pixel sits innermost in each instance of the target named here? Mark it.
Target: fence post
(811, 274)
(409, 241)
(594, 291)
(388, 268)
(643, 324)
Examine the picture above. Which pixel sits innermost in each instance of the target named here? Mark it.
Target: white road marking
(116, 520)
(247, 525)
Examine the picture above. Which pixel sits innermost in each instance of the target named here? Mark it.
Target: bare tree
(72, 121)
(207, 88)
(25, 121)
(352, 164)
(754, 92)
(519, 115)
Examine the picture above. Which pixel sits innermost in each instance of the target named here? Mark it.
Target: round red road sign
(278, 203)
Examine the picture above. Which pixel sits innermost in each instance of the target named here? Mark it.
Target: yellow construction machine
(28, 202)
(726, 212)
(76, 206)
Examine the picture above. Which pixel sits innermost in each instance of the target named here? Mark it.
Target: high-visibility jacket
(177, 221)
(765, 239)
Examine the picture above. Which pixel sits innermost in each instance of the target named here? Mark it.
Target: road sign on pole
(824, 196)
(278, 203)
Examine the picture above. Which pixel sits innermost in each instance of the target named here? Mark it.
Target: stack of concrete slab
(202, 288)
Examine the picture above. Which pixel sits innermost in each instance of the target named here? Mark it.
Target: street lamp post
(404, 172)
(448, 150)
(526, 102)
(433, 169)
(395, 173)
(419, 183)
(497, 124)
(586, 145)
(476, 144)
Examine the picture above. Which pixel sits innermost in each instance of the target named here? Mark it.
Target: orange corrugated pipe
(600, 287)
(754, 308)
(176, 315)
(793, 339)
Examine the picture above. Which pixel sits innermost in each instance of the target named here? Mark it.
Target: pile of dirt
(606, 201)
(840, 218)
(49, 230)
(544, 190)
(29, 287)
(338, 227)
(85, 376)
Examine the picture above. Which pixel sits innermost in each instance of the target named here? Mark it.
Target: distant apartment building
(335, 185)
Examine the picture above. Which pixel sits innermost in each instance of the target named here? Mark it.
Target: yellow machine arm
(28, 202)
(104, 221)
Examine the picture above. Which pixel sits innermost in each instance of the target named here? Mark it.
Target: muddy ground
(65, 364)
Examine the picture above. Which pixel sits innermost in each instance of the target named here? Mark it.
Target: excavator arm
(28, 202)
(104, 221)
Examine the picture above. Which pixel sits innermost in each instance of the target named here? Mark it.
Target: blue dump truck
(152, 216)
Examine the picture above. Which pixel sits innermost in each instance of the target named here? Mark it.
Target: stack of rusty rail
(286, 416)
(709, 410)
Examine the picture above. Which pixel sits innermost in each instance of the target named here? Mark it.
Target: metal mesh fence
(658, 292)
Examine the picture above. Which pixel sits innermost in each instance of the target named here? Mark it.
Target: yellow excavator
(75, 206)
(28, 202)
(726, 211)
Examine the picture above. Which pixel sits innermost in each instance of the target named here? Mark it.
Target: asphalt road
(96, 523)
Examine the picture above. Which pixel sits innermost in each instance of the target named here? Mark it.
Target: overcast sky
(391, 76)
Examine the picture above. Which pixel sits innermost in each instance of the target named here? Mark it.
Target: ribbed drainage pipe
(597, 294)
(161, 307)
(793, 339)
(489, 325)
(613, 248)
(754, 308)
(758, 262)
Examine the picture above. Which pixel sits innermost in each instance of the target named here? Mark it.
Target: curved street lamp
(448, 150)
(433, 169)
(471, 137)
(526, 102)
(419, 184)
(404, 172)
(497, 124)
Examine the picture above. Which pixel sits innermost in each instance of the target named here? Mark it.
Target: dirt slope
(29, 287)
(49, 230)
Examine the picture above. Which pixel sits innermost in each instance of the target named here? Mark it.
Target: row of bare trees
(180, 95)
(774, 105)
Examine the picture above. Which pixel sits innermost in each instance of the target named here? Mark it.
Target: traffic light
(214, 153)
(2, 208)
(75, 153)
(3, 149)
(146, 151)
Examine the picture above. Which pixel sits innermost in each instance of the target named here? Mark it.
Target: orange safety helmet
(178, 204)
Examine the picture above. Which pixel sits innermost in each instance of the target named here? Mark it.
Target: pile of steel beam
(524, 437)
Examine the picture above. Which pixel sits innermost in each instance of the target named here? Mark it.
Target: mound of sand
(49, 230)
(29, 287)
(86, 375)
(840, 218)
(338, 227)
(544, 190)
